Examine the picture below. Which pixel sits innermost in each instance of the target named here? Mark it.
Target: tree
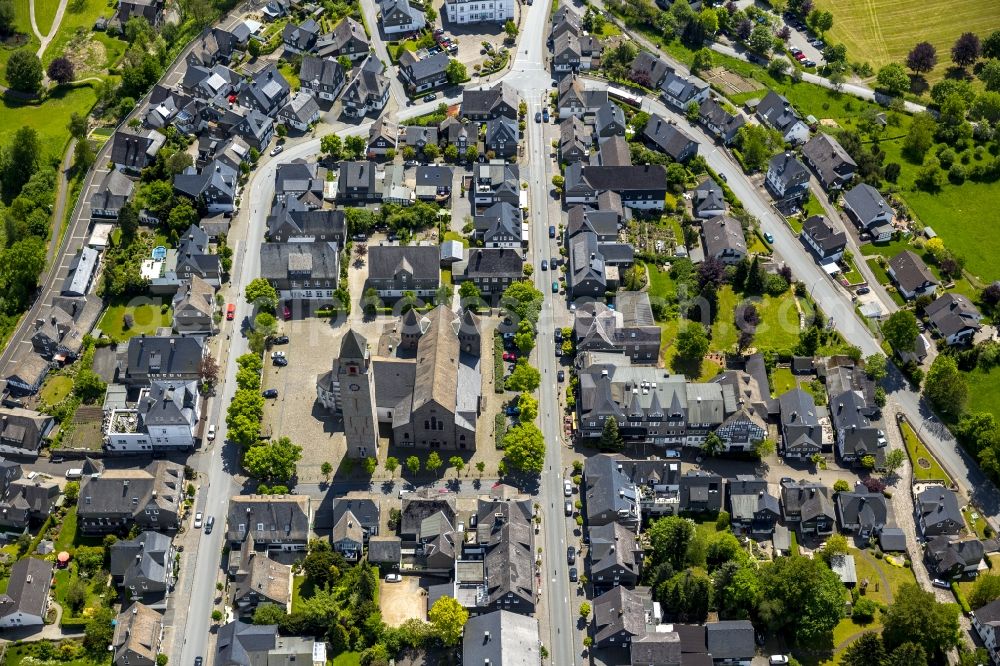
(916, 616)
(986, 589)
(966, 49)
(876, 367)
(457, 463)
(524, 448)
(702, 61)
(841, 486)
(345, 64)
(611, 439)
(76, 595)
(820, 21)
(274, 461)
(894, 460)
(922, 58)
(371, 464)
(24, 71)
(326, 469)
(253, 48)
(268, 614)
(945, 387)
(836, 544)
(7, 17)
(760, 40)
(525, 337)
(802, 593)
(764, 448)
(528, 406)
(99, 630)
(391, 464)
(20, 160)
(431, 151)
(413, 464)
(920, 137)
(688, 594)
(20, 266)
(88, 385)
(456, 72)
(713, 445)
(469, 292)
(77, 124)
(987, 104)
(71, 491)
(511, 29)
(448, 619)
(737, 590)
(471, 154)
(354, 146)
(893, 79)
(260, 293)
(524, 378)
(480, 467)
(584, 610)
(332, 145)
(669, 538)
(182, 216)
(433, 463)
(692, 343)
(61, 70)
(778, 67)
(867, 650)
(900, 330)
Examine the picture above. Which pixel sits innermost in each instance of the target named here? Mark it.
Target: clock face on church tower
(354, 387)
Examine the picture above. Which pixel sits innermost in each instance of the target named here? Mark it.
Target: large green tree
(274, 461)
(20, 160)
(692, 343)
(24, 71)
(801, 595)
(916, 616)
(986, 589)
(611, 438)
(945, 387)
(900, 330)
(670, 537)
(524, 449)
(524, 378)
(448, 619)
(260, 292)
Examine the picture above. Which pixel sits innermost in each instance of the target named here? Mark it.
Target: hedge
(498, 374)
(962, 601)
(500, 429)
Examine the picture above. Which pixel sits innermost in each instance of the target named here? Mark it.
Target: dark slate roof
(892, 539)
(424, 261)
(428, 67)
(823, 234)
(321, 71)
(241, 644)
(696, 488)
(174, 355)
(488, 101)
(952, 313)
(648, 70)
(950, 553)
(748, 495)
(621, 609)
(723, 233)
(828, 157)
(27, 588)
(866, 202)
(664, 647)
(730, 639)
(434, 176)
(608, 489)
(708, 196)
(937, 504)
(910, 271)
(501, 217)
(617, 178)
(281, 517)
(365, 510)
(809, 500)
(494, 262)
(777, 111)
(318, 261)
(711, 112)
(682, 88)
(384, 549)
(799, 418)
(369, 82)
(862, 507)
(789, 169)
(668, 137)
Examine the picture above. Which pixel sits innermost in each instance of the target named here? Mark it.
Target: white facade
(307, 294)
(21, 619)
(474, 11)
(133, 431)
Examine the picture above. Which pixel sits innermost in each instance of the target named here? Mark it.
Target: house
(417, 137)
(365, 511)
(382, 138)
(752, 508)
(150, 358)
(241, 644)
(259, 580)
(275, 9)
(611, 151)
(869, 211)
(59, 330)
(609, 121)
(462, 135)
(356, 182)
(193, 255)
(150, 10)
(828, 159)
(857, 437)
(368, 90)
(862, 512)
(731, 642)
(27, 374)
(214, 187)
(911, 275)
(701, 492)
(938, 512)
(300, 112)
(114, 192)
(641, 186)
(301, 270)
(267, 92)
(323, 77)
(827, 243)
(254, 127)
(609, 495)
(605, 224)
(787, 179)
(681, 91)
(133, 151)
(574, 98)
(500, 101)
(719, 122)
(501, 638)
(567, 54)
(628, 329)
(26, 601)
(425, 73)
(347, 537)
(470, 11)
(620, 616)
(348, 38)
(615, 556)
(275, 522)
(393, 270)
(649, 70)
(986, 621)
(492, 270)
(708, 200)
(724, 240)
(892, 540)
(25, 502)
(217, 45)
(166, 104)
(666, 136)
(194, 307)
(143, 566)
(954, 318)
(496, 181)
(137, 636)
(589, 274)
(300, 38)
(955, 558)
(807, 505)
(801, 431)
(499, 226)
(210, 83)
(573, 140)
(302, 181)
(149, 497)
(385, 551)
(398, 16)
(777, 112)
(433, 182)
(663, 648)
(501, 137)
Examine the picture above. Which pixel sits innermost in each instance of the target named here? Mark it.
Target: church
(428, 391)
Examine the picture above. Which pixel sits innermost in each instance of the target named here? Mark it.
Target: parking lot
(470, 37)
(403, 601)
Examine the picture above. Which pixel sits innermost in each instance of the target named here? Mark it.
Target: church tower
(356, 378)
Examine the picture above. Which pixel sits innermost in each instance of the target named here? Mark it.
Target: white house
(398, 16)
(476, 11)
(986, 621)
(165, 418)
(27, 597)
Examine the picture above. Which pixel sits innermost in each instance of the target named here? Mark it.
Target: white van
(75, 473)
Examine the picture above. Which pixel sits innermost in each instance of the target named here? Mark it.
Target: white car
(277, 149)
(211, 433)
(277, 354)
(393, 578)
(567, 488)
(778, 659)
(197, 520)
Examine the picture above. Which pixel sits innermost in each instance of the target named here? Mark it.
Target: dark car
(571, 555)
(270, 393)
(552, 231)
(561, 375)
(545, 114)
(209, 524)
(545, 265)
(573, 577)
(197, 661)
(863, 290)
(280, 361)
(538, 116)
(431, 97)
(554, 262)
(280, 340)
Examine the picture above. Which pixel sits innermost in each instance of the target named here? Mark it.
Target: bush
(722, 521)
(962, 601)
(864, 611)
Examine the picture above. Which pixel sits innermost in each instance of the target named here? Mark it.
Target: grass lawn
(883, 278)
(446, 277)
(347, 659)
(67, 532)
(975, 521)
(782, 381)
(887, 250)
(852, 276)
(146, 319)
(45, 14)
(88, 11)
(925, 467)
(291, 75)
(813, 207)
(301, 589)
(24, 654)
(660, 283)
(456, 236)
(795, 222)
(48, 118)
(778, 328)
(756, 245)
(724, 332)
(57, 388)
(883, 31)
(984, 391)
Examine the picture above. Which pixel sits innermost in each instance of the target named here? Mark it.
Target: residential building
(468, 11)
(433, 183)
(719, 122)
(857, 437)
(618, 489)
(267, 92)
(663, 648)
(953, 558)
(425, 73)
(59, 330)
(827, 243)
(356, 183)
(501, 638)
(627, 329)
(938, 512)
(499, 226)
(241, 644)
(275, 522)
(82, 269)
(137, 636)
(911, 275)
(723, 239)
(149, 10)
(394, 269)
(215, 186)
(492, 270)
(462, 135)
(643, 187)
(149, 358)
(701, 492)
(615, 556)
(649, 70)
(787, 179)
(869, 211)
(347, 537)
(806, 505)
(300, 112)
(117, 499)
(604, 224)
(132, 151)
(22, 431)
(26, 601)
(611, 151)
(143, 567)
(496, 181)
(862, 512)
(574, 140)
(681, 91)
(398, 16)
(259, 580)
(300, 38)
(801, 431)
(501, 137)
(828, 159)
(621, 616)
(575, 98)
(365, 511)
(348, 38)
(777, 112)
(708, 200)
(114, 192)
(368, 90)
(731, 642)
(954, 318)
(292, 221)
(418, 137)
(165, 418)
(500, 101)
(194, 307)
(752, 507)
(385, 551)
(666, 136)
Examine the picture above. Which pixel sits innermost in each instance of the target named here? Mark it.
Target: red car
(231, 311)
(800, 56)
(287, 312)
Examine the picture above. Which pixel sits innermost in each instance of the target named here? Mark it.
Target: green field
(984, 391)
(49, 118)
(883, 31)
(45, 14)
(25, 654)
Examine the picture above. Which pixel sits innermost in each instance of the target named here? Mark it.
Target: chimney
(486, 637)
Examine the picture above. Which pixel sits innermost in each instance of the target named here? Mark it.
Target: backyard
(146, 318)
(984, 390)
(56, 388)
(28, 654)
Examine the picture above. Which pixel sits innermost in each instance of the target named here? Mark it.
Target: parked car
(552, 231)
(818, 43)
(808, 63)
(277, 150)
(863, 290)
(768, 237)
(197, 520)
(538, 116)
(209, 524)
(555, 287)
(573, 577)
(937, 582)
(545, 114)
(800, 56)
(430, 97)
(569, 508)
(280, 362)
(270, 393)
(277, 354)
(571, 554)
(567, 488)
(794, 51)
(211, 432)
(561, 375)
(286, 312)
(231, 312)
(280, 340)
(393, 578)
(777, 659)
